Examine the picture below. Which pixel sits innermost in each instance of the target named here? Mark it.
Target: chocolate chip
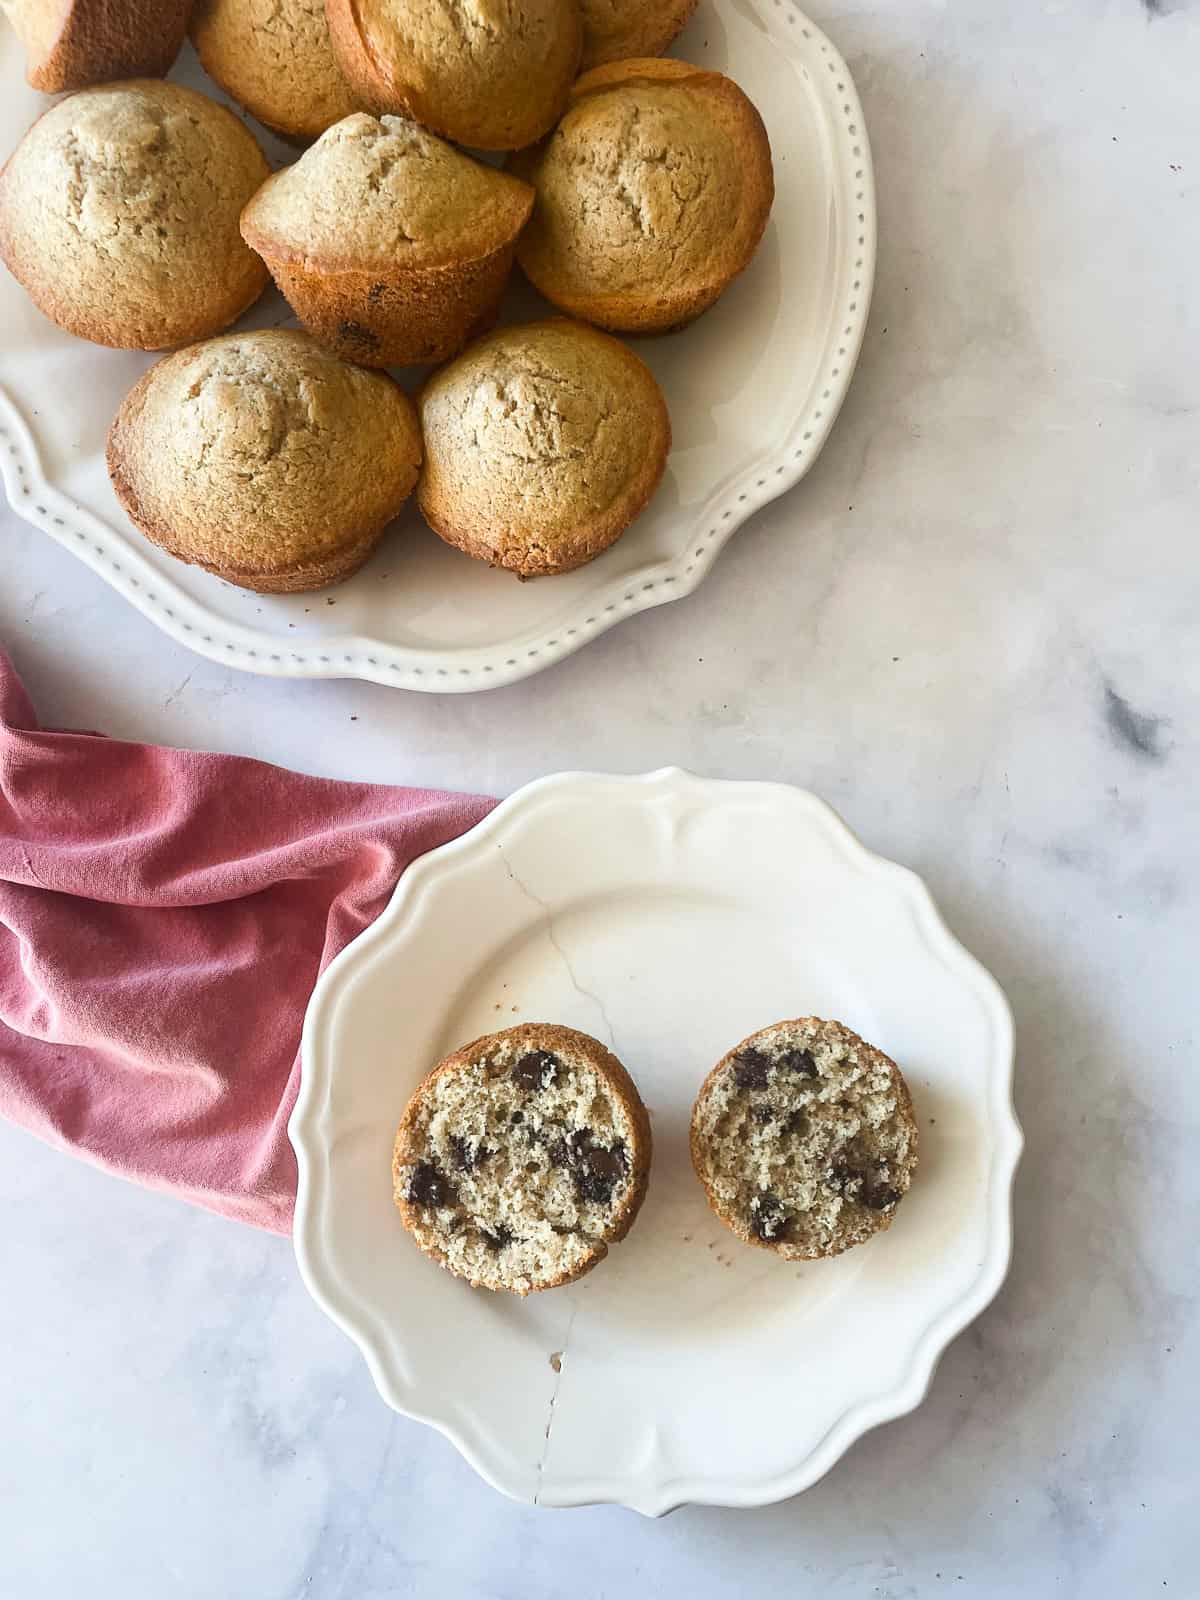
(844, 1179)
(496, 1238)
(879, 1197)
(595, 1168)
(517, 1118)
(597, 1173)
(796, 1123)
(606, 1164)
(769, 1218)
(431, 1188)
(800, 1061)
(751, 1069)
(762, 1114)
(354, 333)
(468, 1156)
(536, 1070)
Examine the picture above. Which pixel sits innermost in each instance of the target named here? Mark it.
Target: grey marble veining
(974, 629)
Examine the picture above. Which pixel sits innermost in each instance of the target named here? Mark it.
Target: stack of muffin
(143, 215)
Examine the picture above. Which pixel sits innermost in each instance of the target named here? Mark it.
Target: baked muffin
(493, 74)
(71, 44)
(274, 57)
(652, 195)
(522, 1157)
(391, 246)
(119, 215)
(804, 1139)
(542, 443)
(264, 459)
(621, 30)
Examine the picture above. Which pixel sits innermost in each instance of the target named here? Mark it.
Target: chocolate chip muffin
(391, 246)
(71, 44)
(276, 60)
(618, 30)
(264, 459)
(804, 1139)
(494, 75)
(542, 444)
(119, 215)
(652, 195)
(522, 1157)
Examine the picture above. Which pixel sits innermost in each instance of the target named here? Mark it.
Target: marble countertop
(974, 628)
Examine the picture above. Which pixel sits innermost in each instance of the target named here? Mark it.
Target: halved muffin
(521, 1157)
(264, 459)
(542, 443)
(652, 195)
(390, 245)
(276, 60)
(493, 76)
(72, 44)
(804, 1139)
(119, 215)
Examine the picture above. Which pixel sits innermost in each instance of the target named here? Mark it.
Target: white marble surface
(974, 629)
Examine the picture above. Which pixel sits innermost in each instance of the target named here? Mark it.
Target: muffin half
(264, 459)
(276, 60)
(652, 195)
(542, 444)
(622, 30)
(493, 76)
(390, 245)
(804, 1139)
(522, 1157)
(119, 215)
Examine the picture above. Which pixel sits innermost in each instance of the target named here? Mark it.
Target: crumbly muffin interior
(516, 1165)
(805, 1138)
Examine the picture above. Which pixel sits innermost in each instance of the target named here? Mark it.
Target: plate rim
(654, 1495)
(120, 562)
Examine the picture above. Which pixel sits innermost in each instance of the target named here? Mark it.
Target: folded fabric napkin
(164, 915)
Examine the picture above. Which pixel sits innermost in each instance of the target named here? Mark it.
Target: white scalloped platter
(669, 916)
(753, 389)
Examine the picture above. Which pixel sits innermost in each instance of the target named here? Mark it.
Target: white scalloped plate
(669, 916)
(753, 389)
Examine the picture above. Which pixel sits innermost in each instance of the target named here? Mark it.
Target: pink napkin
(164, 915)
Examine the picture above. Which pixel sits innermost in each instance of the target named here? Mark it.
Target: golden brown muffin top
(119, 212)
(258, 452)
(620, 30)
(542, 441)
(385, 193)
(274, 57)
(658, 179)
(492, 74)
